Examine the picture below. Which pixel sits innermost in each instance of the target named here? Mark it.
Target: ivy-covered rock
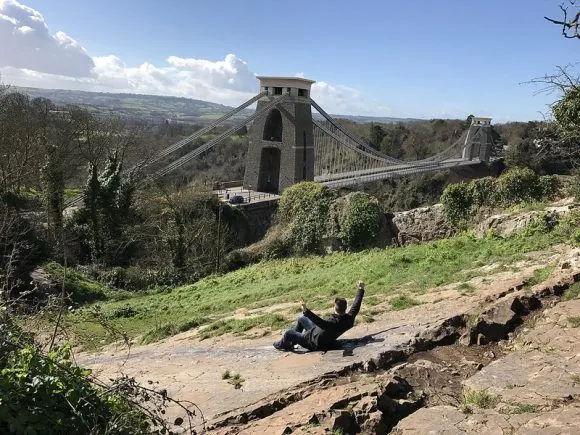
(360, 221)
(457, 200)
(304, 208)
(518, 185)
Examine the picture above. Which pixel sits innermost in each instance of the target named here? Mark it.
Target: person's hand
(361, 285)
(303, 305)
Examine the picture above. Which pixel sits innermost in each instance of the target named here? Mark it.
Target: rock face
(505, 224)
(534, 389)
(422, 225)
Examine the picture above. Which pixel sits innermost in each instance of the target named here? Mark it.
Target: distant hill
(359, 119)
(136, 106)
(158, 108)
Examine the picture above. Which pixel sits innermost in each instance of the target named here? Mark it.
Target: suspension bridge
(287, 145)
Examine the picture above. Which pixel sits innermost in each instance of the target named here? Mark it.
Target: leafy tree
(108, 211)
(377, 133)
(53, 187)
(392, 143)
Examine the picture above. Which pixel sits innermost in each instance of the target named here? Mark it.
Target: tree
(377, 133)
(569, 25)
(394, 137)
(18, 141)
(108, 211)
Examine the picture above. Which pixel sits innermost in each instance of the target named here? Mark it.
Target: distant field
(394, 275)
(157, 107)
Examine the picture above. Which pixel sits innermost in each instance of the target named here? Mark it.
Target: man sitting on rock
(314, 333)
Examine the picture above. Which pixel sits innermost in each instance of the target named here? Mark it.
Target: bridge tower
(479, 142)
(281, 142)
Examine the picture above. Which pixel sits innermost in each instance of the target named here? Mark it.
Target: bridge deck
(365, 176)
(249, 196)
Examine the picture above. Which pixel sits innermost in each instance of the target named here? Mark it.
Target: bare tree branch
(569, 26)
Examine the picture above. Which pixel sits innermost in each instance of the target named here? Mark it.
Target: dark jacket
(325, 333)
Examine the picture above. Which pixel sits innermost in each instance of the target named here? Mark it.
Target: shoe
(278, 346)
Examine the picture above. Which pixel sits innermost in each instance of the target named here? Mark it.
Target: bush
(78, 287)
(304, 207)
(49, 394)
(482, 191)
(360, 220)
(549, 186)
(20, 251)
(576, 185)
(457, 200)
(518, 185)
(299, 197)
(276, 248)
(238, 259)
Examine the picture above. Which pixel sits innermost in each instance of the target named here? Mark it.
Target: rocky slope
(495, 355)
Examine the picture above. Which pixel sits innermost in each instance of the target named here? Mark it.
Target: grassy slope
(389, 273)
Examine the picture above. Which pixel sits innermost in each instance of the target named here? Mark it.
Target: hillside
(438, 320)
(136, 106)
(158, 107)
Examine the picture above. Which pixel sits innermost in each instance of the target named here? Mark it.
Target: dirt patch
(438, 373)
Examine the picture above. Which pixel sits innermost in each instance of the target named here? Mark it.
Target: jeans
(296, 335)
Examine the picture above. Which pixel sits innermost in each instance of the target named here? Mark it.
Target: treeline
(169, 232)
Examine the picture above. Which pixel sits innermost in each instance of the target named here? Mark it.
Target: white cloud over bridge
(30, 55)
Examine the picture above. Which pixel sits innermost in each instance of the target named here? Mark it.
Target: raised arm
(355, 307)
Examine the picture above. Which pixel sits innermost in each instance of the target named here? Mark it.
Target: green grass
(539, 276)
(78, 287)
(572, 292)
(234, 379)
(480, 398)
(402, 303)
(466, 287)
(524, 408)
(392, 274)
(574, 321)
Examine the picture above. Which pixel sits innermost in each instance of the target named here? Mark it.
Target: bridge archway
(269, 175)
(273, 127)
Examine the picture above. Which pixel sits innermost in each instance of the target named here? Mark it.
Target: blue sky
(446, 58)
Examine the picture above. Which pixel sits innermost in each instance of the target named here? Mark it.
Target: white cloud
(30, 55)
(346, 100)
(27, 43)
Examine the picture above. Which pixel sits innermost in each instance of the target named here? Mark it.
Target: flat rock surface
(537, 386)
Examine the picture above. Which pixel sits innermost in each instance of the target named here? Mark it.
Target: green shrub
(360, 220)
(567, 110)
(280, 247)
(543, 224)
(304, 207)
(482, 191)
(549, 186)
(576, 237)
(576, 185)
(457, 200)
(48, 394)
(238, 259)
(299, 197)
(518, 185)
(78, 286)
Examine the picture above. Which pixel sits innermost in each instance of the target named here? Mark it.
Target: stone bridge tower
(281, 142)
(479, 142)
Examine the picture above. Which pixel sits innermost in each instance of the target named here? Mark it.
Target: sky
(399, 58)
